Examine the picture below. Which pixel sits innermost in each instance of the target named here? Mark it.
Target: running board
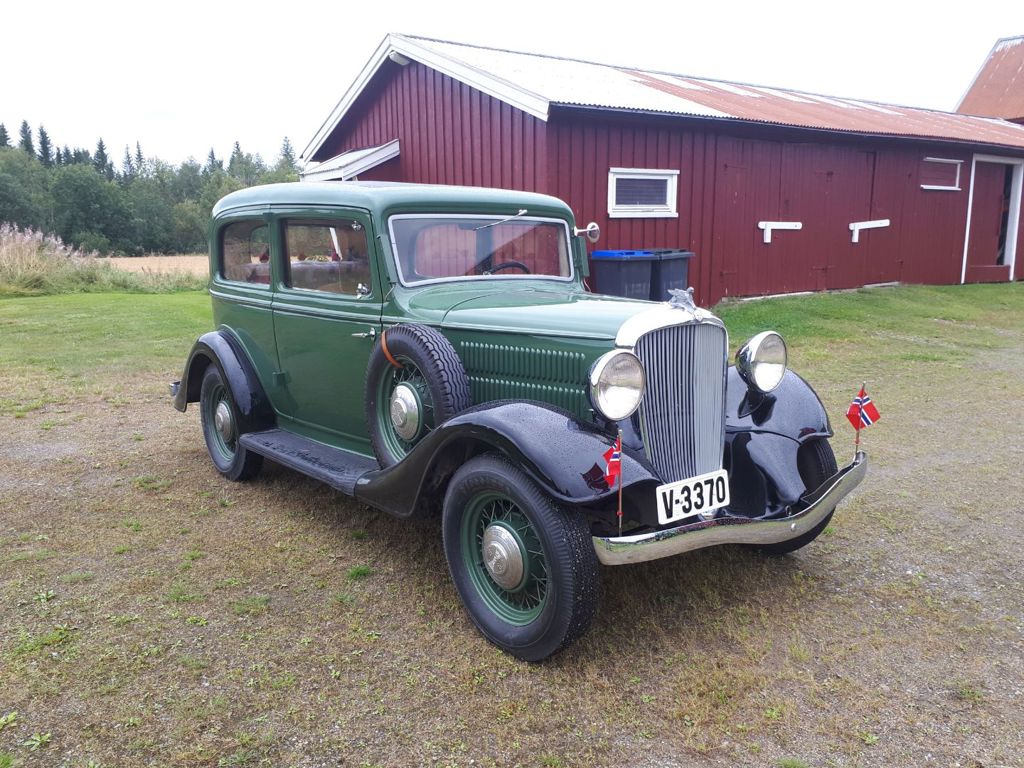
(338, 468)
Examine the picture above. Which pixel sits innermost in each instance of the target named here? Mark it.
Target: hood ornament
(681, 299)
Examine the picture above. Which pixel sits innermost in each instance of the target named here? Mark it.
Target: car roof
(378, 196)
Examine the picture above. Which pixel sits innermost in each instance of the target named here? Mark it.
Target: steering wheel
(510, 265)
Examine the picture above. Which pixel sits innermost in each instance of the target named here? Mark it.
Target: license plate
(694, 496)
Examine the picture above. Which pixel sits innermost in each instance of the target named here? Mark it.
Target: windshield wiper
(522, 212)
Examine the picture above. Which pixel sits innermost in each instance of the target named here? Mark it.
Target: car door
(327, 310)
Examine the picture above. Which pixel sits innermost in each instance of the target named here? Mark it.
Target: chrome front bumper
(621, 550)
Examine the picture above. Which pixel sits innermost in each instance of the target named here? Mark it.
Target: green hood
(543, 310)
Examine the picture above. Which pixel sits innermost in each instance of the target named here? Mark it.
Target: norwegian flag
(862, 412)
(613, 462)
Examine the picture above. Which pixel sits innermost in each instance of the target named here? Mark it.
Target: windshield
(455, 246)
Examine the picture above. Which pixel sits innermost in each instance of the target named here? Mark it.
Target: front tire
(219, 416)
(524, 567)
(816, 463)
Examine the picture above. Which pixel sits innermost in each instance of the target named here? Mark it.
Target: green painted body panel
(518, 337)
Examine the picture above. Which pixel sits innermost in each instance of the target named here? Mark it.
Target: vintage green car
(429, 348)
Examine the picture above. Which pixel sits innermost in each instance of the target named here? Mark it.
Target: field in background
(153, 613)
(191, 263)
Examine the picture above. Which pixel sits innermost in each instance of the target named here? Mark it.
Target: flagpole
(620, 482)
(860, 418)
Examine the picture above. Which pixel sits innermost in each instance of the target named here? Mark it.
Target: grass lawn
(153, 613)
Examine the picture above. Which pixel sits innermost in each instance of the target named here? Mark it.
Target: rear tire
(219, 416)
(816, 463)
(524, 567)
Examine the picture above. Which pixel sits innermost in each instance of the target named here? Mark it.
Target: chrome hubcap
(405, 411)
(223, 422)
(502, 557)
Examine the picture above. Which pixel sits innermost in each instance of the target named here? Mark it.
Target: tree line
(143, 206)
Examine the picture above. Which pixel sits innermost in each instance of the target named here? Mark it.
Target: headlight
(762, 361)
(617, 383)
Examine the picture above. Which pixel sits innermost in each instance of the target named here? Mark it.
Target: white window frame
(665, 211)
(948, 161)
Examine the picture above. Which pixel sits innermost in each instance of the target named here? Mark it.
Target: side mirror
(592, 231)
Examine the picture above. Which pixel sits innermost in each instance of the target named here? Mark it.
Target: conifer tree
(140, 161)
(5, 140)
(127, 165)
(45, 148)
(212, 164)
(287, 159)
(25, 142)
(101, 162)
(58, 157)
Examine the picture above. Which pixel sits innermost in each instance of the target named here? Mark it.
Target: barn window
(642, 193)
(940, 173)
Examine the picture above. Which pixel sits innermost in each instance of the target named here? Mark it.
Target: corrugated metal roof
(559, 81)
(998, 88)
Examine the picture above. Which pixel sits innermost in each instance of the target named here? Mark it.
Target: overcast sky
(184, 76)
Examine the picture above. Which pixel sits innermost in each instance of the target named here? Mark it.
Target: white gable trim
(527, 101)
(348, 165)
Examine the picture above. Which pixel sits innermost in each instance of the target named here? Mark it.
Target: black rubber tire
(230, 458)
(816, 463)
(441, 367)
(573, 571)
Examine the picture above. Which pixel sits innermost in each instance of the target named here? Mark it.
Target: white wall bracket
(768, 226)
(857, 226)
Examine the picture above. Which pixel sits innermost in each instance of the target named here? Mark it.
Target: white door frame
(1013, 220)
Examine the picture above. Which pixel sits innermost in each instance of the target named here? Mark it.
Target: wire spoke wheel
(521, 599)
(222, 429)
(524, 566)
(217, 415)
(415, 382)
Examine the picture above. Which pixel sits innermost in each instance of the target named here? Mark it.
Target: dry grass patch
(197, 622)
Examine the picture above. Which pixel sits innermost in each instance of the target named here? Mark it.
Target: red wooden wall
(729, 182)
(731, 177)
(449, 133)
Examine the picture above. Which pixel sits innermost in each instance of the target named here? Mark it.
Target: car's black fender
(792, 409)
(562, 455)
(223, 350)
(763, 434)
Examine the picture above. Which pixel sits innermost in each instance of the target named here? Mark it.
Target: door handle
(370, 334)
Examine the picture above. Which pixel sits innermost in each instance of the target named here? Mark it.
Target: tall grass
(33, 263)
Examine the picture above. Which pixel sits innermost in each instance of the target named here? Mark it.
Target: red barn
(775, 190)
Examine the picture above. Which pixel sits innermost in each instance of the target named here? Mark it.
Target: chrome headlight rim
(598, 380)
(758, 364)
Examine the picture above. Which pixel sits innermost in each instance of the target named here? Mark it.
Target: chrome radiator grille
(682, 416)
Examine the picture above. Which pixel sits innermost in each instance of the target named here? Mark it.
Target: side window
(245, 252)
(329, 256)
(642, 193)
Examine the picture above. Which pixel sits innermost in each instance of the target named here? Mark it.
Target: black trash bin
(671, 271)
(623, 273)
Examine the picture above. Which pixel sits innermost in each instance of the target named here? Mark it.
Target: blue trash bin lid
(623, 255)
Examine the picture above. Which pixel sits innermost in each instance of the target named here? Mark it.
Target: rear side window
(245, 252)
(329, 255)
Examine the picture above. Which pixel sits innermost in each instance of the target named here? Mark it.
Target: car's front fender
(792, 409)
(562, 455)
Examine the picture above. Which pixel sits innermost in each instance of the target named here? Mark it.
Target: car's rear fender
(223, 350)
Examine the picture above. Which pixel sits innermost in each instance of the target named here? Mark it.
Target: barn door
(825, 188)
(992, 221)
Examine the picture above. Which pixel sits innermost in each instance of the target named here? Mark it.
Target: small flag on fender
(862, 412)
(613, 462)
